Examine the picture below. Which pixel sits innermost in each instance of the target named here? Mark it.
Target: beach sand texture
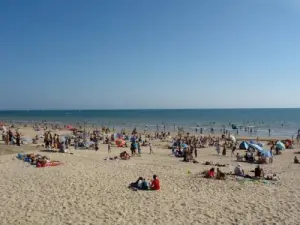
(89, 190)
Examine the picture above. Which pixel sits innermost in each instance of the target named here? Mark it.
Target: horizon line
(133, 109)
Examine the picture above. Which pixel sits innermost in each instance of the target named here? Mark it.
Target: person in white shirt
(238, 170)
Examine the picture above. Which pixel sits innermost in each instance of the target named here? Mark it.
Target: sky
(141, 54)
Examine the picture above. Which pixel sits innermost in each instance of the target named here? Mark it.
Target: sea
(281, 122)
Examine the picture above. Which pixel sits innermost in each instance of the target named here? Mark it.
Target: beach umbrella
(256, 147)
(120, 142)
(260, 144)
(232, 138)
(260, 149)
(69, 127)
(244, 145)
(265, 153)
(280, 145)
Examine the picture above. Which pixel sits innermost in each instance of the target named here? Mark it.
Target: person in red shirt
(211, 173)
(155, 183)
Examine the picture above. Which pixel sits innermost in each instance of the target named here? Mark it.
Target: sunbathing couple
(38, 160)
(211, 174)
(142, 184)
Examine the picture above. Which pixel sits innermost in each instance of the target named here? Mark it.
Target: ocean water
(282, 122)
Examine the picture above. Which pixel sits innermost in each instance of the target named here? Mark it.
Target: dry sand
(90, 190)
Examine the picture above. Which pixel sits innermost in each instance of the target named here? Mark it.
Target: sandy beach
(87, 189)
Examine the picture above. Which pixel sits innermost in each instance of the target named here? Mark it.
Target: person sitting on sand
(258, 172)
(111, 158)
(262, 160)
(220, 175)
(124, 155)
(155, 184)
(210, 173)
(145, 185)
(239, 158)
(249, 157)
(296, 160)
(238, 171)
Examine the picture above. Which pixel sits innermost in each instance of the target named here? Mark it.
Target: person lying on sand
(135, 184)
(111, 158)
(296, 160)
(215, 164)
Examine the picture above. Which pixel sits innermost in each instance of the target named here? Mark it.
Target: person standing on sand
(233, 149)
(218, 148)
(224, 150)
(109, 147)
(46, 141)
(271, 156)
(195, 151)
(150, 148)
(139, 148)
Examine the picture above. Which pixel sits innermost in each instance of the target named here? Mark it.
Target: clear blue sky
(57, 54)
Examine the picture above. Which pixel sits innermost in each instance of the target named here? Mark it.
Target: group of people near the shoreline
(11, 138)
